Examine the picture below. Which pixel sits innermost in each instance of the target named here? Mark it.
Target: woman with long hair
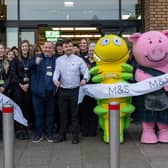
(21, 86)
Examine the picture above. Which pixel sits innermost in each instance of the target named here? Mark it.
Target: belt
(69, 88)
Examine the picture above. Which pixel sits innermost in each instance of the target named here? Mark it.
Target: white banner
(18, 115)
(105, 91)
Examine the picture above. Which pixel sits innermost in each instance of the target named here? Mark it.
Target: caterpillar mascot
(111, 55)
(150, 50)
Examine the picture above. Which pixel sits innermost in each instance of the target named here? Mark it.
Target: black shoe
(75, 140)
(22, 135)
(85, 134)
(60, 138)
(92, 134)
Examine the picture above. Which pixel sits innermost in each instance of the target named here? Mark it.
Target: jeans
(44, 114)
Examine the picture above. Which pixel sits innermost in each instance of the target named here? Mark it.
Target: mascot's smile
(159, 60)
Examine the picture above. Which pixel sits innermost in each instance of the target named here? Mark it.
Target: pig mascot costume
(150, 50)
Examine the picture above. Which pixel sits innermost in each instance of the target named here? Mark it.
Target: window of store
(12, 9)
(12, 36)
(28, 35)
(69, 9)
(109, 16)
(128, 9)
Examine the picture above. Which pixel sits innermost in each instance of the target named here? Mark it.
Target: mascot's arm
(126, 76)
(95, 70)
(126, 72)
(141, 75)
(126, 67)
(98, 77)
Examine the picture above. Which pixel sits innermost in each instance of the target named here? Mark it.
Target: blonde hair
(5, 63)
(92, 45)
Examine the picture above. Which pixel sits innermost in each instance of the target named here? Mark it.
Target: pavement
(91, 152)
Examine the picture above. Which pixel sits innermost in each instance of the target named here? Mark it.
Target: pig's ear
(165, 32)
(134, 37)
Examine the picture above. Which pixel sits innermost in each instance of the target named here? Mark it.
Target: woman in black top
(21, 86)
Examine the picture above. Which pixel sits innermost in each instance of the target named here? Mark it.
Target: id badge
(48, 67)
(26, 68)
(2, 82)
(49, 73)
(25, 79)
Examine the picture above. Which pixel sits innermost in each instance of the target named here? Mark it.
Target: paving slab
(91, 152)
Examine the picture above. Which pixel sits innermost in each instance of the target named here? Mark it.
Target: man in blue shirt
(42, 68)
(68, 70)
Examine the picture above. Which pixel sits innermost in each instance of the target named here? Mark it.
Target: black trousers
(24, 100)
(56, 114)
(68, 103)
(88, 119)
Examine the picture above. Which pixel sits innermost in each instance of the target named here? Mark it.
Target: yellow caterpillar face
(110, 48)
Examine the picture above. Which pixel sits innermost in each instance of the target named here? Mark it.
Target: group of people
(44, 82)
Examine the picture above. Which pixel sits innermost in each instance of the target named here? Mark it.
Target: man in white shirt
(69, 68)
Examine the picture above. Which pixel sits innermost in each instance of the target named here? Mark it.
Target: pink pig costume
(150, 50)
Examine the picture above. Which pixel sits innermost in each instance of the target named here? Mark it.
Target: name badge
(48, 67)
(1, 82)
(25, 79)
(49, 73)
(26, 68)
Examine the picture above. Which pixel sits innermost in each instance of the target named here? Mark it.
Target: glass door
(28, 34)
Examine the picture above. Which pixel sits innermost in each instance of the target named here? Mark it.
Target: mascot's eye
(105, 41)
(117, 41)
(150, 42)
(160, 41)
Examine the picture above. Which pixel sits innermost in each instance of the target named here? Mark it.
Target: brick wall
(156, 15)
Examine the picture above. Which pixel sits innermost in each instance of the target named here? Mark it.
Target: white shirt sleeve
(84, 70)
(56, 71)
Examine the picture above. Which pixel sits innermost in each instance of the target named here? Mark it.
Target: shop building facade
(36, 20)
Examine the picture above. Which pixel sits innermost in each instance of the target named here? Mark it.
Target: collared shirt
(68, 70)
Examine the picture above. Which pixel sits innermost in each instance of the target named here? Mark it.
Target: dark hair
(76, 45)
(59, 43)
(67, 41)
(10, 51)
(14, 48)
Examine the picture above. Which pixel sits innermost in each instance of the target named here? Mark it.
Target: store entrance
(74, 33)
(37, 32)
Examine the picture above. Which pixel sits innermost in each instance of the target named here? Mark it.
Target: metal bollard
(8, 136)
(114, 127)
